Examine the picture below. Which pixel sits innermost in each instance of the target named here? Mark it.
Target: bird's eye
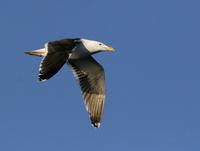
(100, 44)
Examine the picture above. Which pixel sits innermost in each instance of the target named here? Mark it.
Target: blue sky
(153, 79)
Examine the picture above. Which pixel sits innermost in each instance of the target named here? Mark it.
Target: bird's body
(90, 74)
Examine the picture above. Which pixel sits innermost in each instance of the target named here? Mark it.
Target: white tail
(39, 52)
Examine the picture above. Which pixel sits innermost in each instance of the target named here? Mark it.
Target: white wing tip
(96, 125)
(41, 80)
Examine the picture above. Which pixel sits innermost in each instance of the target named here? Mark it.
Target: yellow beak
(110, 49)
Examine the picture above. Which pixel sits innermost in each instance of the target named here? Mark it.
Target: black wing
(57, 55)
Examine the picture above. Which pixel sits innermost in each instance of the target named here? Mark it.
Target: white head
(95, 46)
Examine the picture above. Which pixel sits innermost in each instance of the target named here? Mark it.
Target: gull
(77, 54)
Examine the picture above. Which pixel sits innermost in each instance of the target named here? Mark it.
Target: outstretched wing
(57, 55)
(90, 75)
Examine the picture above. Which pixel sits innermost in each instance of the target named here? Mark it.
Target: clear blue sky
(153, 79)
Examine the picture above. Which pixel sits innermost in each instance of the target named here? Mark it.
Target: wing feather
(90, 75)
(57, 55)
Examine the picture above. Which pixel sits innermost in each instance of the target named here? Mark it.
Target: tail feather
(39, 52)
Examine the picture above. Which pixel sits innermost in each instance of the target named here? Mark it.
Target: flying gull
(90, 74)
